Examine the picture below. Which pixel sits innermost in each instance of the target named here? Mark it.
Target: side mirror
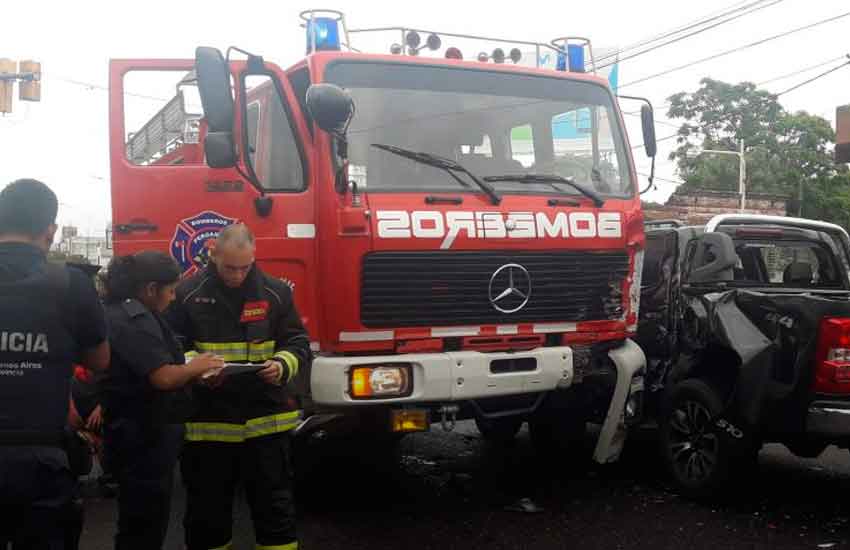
(214, 88)
(331, 107)
(714, 260)
(648, 125)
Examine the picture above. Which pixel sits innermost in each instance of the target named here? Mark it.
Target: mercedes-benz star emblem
(510, 288)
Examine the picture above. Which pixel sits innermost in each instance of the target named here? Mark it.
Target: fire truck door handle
(139, 225)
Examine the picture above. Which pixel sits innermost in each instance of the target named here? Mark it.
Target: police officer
(240, 433)
(143, 395)
(50, 316)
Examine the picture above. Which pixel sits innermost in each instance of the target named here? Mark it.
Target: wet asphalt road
(450, 490)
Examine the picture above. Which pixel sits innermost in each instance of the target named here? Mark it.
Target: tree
(787, 153)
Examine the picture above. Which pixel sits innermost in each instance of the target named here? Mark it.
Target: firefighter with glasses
(240, 432)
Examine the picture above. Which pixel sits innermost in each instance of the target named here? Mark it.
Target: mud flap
(629, 359)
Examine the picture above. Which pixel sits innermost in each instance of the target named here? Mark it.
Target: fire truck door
(165, 194)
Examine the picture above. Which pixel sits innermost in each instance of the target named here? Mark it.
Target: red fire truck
(464, 238)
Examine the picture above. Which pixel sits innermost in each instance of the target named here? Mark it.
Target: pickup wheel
(499, 430)
(698, 457)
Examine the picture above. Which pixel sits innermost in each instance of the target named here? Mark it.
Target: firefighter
(144, 395)
(50, 316)
(240, 433)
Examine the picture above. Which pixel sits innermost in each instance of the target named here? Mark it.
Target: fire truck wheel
(499, 430)
(698, 455)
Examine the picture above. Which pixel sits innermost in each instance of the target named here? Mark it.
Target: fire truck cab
(463, 238)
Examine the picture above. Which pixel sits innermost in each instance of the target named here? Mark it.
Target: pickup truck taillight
(832, 358)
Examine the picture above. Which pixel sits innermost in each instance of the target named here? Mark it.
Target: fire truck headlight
(376, 381)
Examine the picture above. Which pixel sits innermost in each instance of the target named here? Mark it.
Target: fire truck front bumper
(438, 377)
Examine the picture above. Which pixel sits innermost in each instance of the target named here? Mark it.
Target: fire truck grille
(408, 289)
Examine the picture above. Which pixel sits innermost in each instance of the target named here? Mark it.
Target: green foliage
(787, 153)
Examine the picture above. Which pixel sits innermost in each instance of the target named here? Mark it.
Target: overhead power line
(738, 49)
(688, 26)
(659, 178)
(665, 138)
(803, 70)
(697, 31)
(818, 77)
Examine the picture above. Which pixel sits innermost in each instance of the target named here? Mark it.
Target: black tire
(698, 456)
(499, 430)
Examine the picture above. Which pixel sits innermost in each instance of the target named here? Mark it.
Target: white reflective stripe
(554, 327)
(301, 231)
(507, 329)
(448, 332)
(374, 336)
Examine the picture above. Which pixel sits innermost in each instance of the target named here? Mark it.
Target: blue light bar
(575, 53)
(324, 32)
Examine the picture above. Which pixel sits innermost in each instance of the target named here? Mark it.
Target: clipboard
(232, 369)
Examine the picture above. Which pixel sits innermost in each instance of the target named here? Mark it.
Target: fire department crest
(193, 237)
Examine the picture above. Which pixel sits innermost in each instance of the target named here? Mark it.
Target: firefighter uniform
(143, 429)
(48, 314)
(240, 433)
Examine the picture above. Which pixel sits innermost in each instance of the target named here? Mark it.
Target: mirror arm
(651, 184)
(341, 154)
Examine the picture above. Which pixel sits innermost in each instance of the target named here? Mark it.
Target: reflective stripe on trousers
(237, 433)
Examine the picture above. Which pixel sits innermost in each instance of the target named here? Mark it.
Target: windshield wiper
(443, 163)
(550, 179)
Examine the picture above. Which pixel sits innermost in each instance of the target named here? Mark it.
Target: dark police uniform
(143, 425)
(240, 431)
(48, 315)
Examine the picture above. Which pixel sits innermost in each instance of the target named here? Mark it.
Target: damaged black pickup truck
(745, 324)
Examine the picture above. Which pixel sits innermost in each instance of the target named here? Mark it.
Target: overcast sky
(63, 140)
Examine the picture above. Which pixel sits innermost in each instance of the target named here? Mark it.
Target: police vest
(36, 351)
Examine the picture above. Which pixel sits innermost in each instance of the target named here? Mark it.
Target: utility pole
(842, 134)
(742, 174)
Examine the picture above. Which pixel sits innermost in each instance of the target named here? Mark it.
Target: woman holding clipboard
(144, 398)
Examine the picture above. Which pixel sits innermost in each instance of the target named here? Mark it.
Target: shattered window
(787, 264)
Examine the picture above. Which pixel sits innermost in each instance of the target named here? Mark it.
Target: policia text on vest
(50, 315)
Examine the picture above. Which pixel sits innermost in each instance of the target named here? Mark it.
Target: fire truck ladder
(169, 129)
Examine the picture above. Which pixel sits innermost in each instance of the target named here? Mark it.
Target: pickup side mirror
(331, 107)
(214, 88)
(714, 259)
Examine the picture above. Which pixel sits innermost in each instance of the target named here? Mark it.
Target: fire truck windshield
(491, 122)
